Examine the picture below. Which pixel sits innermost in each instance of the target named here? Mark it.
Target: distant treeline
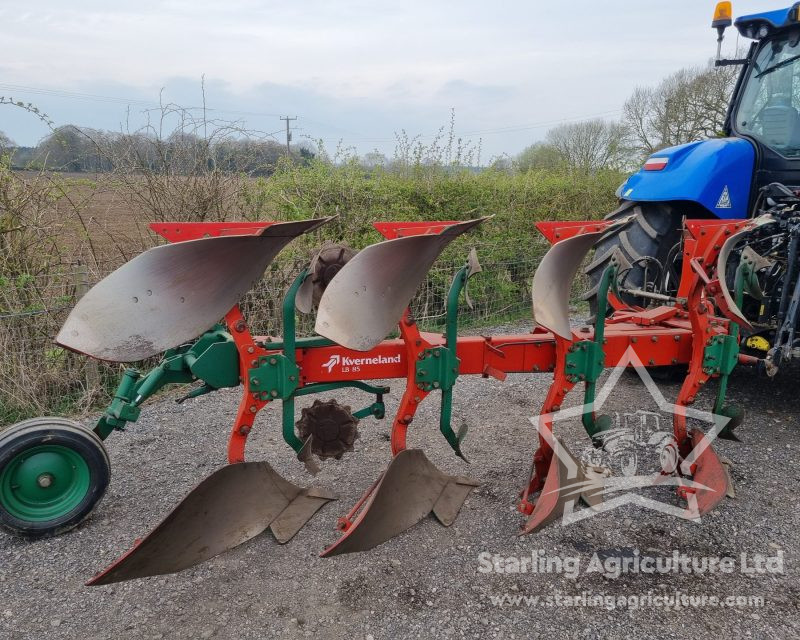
(81, 150)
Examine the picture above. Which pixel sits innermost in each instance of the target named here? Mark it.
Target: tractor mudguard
(366, 298)
(714, 173)
(170, 294)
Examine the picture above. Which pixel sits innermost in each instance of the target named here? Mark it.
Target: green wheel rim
(43, 483)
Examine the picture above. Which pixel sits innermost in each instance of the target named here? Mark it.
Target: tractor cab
(765, 108)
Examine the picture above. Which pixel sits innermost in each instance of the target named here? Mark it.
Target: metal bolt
(45, 480)
(652, 362)
(436, 354)
(435, 385)
(273, 361)
(274, 393)
(634, 340)
(244, 430)
(253, 408)
(676, 338)
(254, 363)
(254, 381)
(421, 372)
(292, 378)
(240, 326)
(417, 399)
(555, 407)
(654, 339)
(251, 349)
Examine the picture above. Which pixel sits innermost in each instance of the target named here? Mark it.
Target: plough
(170, 300)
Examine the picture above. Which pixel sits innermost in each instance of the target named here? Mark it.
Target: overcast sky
(349, 69)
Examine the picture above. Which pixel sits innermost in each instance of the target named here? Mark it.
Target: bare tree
(686, 106)
(590, 145)
(182, 166)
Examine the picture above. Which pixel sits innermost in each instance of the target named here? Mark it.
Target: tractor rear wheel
(643, 248)
(53, 472)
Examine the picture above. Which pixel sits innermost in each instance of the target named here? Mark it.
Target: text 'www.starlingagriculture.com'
(674, 600)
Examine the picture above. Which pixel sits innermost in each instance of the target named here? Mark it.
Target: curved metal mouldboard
(366, 299)
(553, 278)
(171, 294)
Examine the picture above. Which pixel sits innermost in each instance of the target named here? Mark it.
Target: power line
(496, 131)
(77, 95)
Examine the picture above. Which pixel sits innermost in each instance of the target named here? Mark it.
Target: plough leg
(709, 483)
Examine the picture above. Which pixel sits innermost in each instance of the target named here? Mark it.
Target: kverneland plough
(170, 299)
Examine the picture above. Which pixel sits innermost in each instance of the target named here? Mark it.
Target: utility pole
(288, 134)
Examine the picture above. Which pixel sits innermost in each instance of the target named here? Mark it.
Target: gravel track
(424, 583)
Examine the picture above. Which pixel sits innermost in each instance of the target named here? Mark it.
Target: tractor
(751, 169)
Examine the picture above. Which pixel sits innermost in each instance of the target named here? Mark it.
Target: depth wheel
(53, 473)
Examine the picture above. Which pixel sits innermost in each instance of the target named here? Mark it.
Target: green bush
(38, 378)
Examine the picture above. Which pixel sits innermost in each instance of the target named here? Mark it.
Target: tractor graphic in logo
(625, 446)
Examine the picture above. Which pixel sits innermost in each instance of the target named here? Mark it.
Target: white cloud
(501, 63)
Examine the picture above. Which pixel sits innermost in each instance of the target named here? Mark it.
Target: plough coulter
(180, 300)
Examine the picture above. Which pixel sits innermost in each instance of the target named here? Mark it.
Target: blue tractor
(753, 169)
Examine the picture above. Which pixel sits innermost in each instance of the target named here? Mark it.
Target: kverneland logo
(347, 361)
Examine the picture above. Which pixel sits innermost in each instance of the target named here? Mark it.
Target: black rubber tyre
(71, 470)
(653, 231)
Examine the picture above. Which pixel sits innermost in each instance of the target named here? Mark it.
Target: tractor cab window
(769, 110)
